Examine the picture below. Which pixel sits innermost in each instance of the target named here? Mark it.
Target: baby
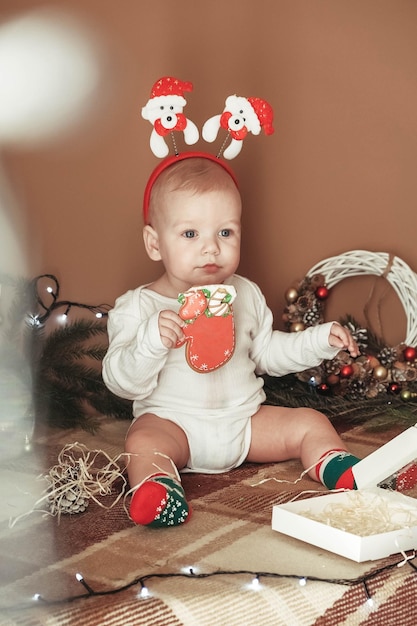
(185, 420)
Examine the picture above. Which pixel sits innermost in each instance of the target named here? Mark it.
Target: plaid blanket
(204, 572)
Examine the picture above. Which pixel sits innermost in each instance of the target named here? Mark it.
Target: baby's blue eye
(225, 232)
(189, 234)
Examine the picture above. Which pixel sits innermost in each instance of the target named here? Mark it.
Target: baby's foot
(334, 470)
(160, 501)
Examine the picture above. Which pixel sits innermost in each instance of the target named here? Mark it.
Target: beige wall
(337, 175)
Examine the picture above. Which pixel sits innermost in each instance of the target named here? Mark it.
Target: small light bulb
(99, 315)
(190, 570)
(49, 290)
(81, 580)
(65, 314)
(33, 320)
(255, 584)
(302, 582)
(144, 592)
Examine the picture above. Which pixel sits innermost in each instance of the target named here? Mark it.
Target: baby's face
(199, 236)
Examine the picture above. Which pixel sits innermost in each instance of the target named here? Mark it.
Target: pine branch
(60, 408)
(76, 376)
(377, 413)
(67, 343)
(69, 386)
(107, 403)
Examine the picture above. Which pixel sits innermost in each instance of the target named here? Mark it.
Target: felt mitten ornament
(209, 330)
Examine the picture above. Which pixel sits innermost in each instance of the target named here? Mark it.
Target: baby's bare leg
(149, 441)
(280, 433)
(157, 448)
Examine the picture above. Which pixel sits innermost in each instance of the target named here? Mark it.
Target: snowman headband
(164, 110)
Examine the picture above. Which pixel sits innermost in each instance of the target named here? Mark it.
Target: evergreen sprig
(381, 412)
(69, 391)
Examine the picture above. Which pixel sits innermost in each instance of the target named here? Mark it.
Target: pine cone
(403, 372)
(387, 356)
(66, 496)
(360, 335)
(332, 367)
(313, 315)
(357, 389)
(303, 303)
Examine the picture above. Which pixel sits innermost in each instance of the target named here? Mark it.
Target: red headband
(166, 163)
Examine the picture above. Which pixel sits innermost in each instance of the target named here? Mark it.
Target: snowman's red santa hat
(258, 113)
(167, 90)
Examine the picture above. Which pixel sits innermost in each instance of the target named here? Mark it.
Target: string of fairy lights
(256, 582)
(46, 289)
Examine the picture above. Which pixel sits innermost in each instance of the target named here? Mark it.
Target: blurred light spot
(49, 69)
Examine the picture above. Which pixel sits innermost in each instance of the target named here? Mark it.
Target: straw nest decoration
(380, 369)
(81, 476)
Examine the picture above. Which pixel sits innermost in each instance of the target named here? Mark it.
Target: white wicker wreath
(361, 262)
(378, 368)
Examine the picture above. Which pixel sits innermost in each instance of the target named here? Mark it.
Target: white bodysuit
(214, 409)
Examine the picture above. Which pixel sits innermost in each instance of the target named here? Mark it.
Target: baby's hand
(170, 328)
(341, 338)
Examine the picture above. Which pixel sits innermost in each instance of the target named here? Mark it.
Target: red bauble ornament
(410, 354)
(394, 388)
(346, 371)
(323, 389)
(322, 292)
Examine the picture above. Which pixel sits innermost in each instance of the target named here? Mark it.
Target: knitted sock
(160, 501)
(334, 469)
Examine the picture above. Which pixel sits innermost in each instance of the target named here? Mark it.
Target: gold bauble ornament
(405, 395)
(296, 327)
(380, 372)
(291, 295)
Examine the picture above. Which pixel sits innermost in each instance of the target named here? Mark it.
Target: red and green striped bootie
(334, 470)
(159, 502)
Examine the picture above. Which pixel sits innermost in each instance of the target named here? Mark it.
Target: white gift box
(387, 460)
(290, 519)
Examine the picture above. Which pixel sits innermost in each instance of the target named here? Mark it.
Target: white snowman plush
(240, 116)
(164, 110)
